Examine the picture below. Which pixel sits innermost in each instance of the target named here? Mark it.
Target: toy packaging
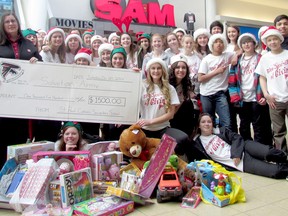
(127, 195)
(22, 152)
(103, 146)
(219, 186)
(76, 186)
(54, 193)
(106, 166)
(192, 198)
(32, 188)
(104, 205)
(75, 159)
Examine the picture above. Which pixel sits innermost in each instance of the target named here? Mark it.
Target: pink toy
(64, 168)
(111, 147)
(114, 172)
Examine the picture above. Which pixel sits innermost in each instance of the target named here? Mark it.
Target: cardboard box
(76, 187)
(65, 156)
(127, 195)
(22, 152)
(104, 205)
(54, 193)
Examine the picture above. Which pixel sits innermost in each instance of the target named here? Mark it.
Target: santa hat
(214, 37)
(83, 53)
(97, 37)
(178, 58)
(41, 31)
(239, 42)
(105, 46)
(179, 30)
(271, 30)
(112, 35)
(52, 31)
(73, 36)
(201, 31)
(156, 60)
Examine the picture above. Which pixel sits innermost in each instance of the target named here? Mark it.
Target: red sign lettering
(109, 9)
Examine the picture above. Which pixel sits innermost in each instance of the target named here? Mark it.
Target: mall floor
(264, 196)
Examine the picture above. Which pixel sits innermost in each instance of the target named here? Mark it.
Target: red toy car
(169, 186)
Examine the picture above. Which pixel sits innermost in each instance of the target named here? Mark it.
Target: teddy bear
(134, 144)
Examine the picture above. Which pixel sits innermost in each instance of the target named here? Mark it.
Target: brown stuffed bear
(134, 144)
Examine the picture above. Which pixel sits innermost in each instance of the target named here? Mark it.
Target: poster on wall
(6, 6)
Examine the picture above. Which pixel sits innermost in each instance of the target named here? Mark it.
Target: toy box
(127, 195)
(54, 193)
(22, 152)
(106, 166)
(76, 187)
(104, 205)
(76, 159)
(103, 146)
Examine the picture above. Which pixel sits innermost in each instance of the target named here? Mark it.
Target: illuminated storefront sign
(149, 13)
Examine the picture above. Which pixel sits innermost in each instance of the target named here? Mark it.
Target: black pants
(181, 138)
(258, 115)
(185, 119)
(254, 161)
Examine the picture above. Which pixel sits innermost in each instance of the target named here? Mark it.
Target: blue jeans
(217, 103)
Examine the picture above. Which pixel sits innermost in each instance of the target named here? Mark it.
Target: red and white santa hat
(271, 30)
(239, 42)
(83, 53)
(201, 31)
(214, 37)
(73, 36)
(97, 37)
(52, 31)
(105, 46)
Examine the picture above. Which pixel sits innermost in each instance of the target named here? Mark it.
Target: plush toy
(173, 161)
(134, 144)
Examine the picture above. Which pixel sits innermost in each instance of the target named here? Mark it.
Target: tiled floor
(264, 196)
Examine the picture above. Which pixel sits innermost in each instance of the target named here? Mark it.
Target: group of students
(184, 75)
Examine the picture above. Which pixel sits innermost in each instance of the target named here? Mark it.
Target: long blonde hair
(164, 86)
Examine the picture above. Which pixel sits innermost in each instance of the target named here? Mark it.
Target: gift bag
(223, 188)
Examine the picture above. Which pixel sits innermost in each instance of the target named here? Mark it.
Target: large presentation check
(68, 92)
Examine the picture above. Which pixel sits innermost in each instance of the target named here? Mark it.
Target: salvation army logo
(10, 72)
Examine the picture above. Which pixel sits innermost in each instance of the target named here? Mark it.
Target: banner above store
(142, 13)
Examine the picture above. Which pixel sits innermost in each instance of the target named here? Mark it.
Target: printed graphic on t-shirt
(248, 67)
(153, 99)
(278, 70)
(221, 64)
(213, 145)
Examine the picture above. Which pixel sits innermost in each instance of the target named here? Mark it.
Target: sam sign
(143, 13)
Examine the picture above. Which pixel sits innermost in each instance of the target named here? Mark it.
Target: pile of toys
(38, 180)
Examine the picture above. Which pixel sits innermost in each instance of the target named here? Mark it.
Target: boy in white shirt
(213, 77)
(273, 71)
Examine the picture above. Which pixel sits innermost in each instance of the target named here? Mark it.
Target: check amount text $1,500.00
(105, 100)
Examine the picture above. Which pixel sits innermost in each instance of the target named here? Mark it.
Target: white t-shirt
(248, 65)
(47, 57)
(154, 106)
(131, 62)
(193, 64)
(218, 82)
(219, 151)
(275, 68)
(69, 58)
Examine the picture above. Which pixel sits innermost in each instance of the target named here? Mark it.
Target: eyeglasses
(10, 21)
